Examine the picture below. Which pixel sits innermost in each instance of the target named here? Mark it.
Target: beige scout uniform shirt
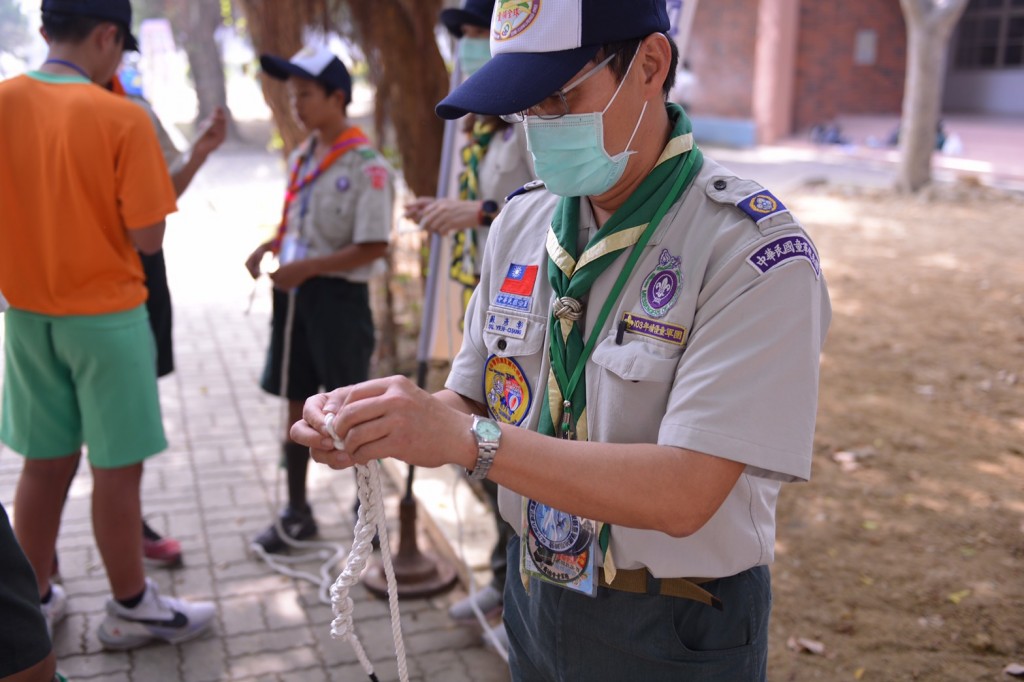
(731, 369)
(352, 202)
(506, 167)
(172, 157)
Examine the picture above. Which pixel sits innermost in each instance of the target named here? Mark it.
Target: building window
(991, 35)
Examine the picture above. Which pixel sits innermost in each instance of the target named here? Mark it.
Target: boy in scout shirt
(639, 371)
(336, 224)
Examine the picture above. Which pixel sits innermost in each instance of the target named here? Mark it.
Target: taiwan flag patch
(520, 279)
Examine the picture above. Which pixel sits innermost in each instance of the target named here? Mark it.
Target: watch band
(488, 435)
(485, 453)
(488, 212)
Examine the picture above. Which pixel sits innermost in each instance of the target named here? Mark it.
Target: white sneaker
(155, 617)
(55, 609)
(489, 600)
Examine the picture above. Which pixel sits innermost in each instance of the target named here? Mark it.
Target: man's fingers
(304, 434)
(335, 459)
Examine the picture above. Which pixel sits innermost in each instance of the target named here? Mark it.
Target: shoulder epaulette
(748, 196)
(528, 187)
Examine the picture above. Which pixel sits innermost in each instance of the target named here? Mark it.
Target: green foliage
(14, 31)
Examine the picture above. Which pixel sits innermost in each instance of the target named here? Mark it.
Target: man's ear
(44, 34)
(655, 57)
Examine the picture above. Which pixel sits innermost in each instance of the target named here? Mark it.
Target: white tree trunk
(929, 26)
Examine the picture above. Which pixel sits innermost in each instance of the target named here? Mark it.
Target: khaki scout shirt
(506, 167)
(728, 366)
(172, 157)
(350, 203)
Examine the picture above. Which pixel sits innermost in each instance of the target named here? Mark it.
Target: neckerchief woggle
(563, 414)
(350, 139)
(462, 268)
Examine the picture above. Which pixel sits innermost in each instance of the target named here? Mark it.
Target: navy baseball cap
(117, 11)
(472, 12)
(314, 62)
(538, 45)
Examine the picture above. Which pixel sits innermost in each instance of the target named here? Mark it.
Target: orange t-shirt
(79, 166)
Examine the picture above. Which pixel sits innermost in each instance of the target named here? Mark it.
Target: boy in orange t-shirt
(83, 185)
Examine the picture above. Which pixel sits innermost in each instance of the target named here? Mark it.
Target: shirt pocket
(514, 380)
(632, 389)
(512, 340)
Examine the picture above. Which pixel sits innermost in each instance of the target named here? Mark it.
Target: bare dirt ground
(903, 558)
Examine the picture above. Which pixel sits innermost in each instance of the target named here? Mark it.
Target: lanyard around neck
(70, 65)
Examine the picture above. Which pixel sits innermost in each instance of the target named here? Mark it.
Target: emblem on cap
(513, 17)
(661, 288)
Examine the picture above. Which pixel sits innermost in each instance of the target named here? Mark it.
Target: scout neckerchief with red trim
(564, 412)
(464, 245)
(352, 138)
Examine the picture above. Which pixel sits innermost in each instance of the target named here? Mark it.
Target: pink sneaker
(161, 553)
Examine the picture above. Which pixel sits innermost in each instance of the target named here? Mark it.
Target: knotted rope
(370, 520)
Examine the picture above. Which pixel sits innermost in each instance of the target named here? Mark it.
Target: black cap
(314, 62)
(117, 11)
(473, 12)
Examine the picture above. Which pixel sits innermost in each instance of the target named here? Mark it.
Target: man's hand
(212, 133)
(293, 275)
(252, 263)
(389, 417)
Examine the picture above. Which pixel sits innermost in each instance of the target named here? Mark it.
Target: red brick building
(766, 69)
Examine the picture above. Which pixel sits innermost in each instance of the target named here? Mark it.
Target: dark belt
(640, 581)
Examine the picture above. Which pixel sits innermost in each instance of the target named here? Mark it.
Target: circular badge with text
(512, 17)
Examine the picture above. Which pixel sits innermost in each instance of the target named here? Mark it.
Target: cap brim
(454, 18)
(282, 69)
(131, 43)
(514, 82)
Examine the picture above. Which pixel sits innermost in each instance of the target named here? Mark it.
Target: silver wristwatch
(488, 435)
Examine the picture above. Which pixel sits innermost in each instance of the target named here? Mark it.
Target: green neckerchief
(571, 279)
(464, 246)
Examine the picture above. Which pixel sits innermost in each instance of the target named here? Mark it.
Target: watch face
(488, 430)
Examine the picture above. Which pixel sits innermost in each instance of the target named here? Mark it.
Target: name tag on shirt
(509, 326)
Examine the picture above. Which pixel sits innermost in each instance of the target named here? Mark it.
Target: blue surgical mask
(473, 53)
(569, 153)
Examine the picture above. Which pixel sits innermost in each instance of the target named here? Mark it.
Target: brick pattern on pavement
(217, 486)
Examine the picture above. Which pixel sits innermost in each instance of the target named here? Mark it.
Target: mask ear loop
(642, 111)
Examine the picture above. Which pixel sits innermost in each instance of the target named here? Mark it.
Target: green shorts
(80, 379)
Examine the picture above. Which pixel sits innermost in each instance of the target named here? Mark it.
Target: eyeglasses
(559, 108)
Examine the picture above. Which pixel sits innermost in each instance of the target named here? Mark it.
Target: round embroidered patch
(513, 17)
(763, 203)
(661, 288)
(507, 390)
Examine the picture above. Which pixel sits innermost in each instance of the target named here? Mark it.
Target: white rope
(370, 519)
(489, 633)
(330, 554)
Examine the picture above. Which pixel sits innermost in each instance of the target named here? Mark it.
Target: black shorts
(23, 639)
(159, 306)
(332, 338)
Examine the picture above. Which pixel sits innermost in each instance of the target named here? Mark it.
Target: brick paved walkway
(215, 488)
